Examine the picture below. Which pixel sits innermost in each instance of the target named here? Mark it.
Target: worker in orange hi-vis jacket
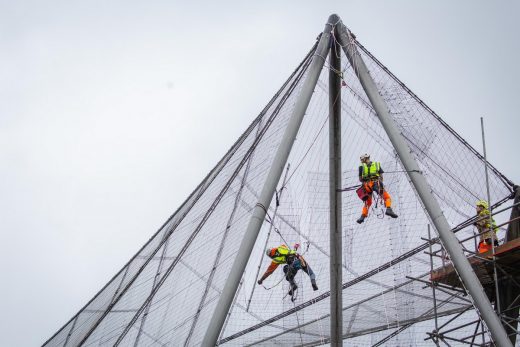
(293, 262)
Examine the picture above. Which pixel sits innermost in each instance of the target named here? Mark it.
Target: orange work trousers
(369, 187)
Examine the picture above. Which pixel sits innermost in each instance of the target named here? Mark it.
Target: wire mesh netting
(167, 292)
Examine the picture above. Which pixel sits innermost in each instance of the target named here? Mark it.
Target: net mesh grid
(167, 293)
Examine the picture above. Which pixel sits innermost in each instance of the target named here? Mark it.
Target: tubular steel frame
(441, 333)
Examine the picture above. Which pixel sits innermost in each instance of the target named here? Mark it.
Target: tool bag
(362, 193)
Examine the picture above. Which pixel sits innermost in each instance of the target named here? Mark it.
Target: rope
(418, 171)
(276, 229)
(319, 131)
(308, 149)
(276, 285)
(299, 328)
(348, 188)
(386, 172)
(380, 213)
(307, 248)
(293, 299)
(503, 178)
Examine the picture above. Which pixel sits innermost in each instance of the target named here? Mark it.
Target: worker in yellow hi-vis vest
(371, 177)
(486, 227)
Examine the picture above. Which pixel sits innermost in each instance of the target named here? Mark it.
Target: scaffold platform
(507, 259)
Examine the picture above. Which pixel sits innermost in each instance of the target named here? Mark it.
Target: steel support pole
(450, 242)
(336, 281)
(435, 339)
(495, 277)
(273, 177)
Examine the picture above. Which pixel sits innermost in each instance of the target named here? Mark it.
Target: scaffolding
(502, 289)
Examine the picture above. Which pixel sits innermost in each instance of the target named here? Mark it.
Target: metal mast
(273, 177)
(495, 276)
(450, 242)
(336, 300)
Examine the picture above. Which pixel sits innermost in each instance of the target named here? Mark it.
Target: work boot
(390, 212)
(361, 219)
(314, 285)
(293, 289)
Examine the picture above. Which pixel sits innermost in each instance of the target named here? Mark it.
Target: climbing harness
(379, 206)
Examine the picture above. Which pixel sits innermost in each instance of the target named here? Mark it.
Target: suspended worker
(293, 262)
(486, 226)
(371, 178)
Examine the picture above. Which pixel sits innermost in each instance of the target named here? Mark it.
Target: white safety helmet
(364, 157)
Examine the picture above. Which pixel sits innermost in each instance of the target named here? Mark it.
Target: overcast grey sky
(111, 112)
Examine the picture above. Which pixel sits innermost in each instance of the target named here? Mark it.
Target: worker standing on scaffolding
(293, 262)
(486, 230)
(371, 178)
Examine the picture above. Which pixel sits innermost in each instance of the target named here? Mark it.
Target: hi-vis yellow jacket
(370, 172)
